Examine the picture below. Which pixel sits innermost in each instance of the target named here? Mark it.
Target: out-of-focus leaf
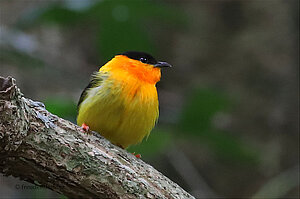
(156, 142)
(20, 59)
(199, 110)
(55, 14)
(65, 108)
(197, 122)
(61, 15)
(39, 192)
(229, 147)
(120, 24)
(63, 197)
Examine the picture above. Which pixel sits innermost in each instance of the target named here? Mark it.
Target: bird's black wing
(96, 80)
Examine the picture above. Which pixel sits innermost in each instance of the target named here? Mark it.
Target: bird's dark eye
(143, 59)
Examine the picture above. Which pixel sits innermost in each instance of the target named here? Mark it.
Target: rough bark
(48, 151)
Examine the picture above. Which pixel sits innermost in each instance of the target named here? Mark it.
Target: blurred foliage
(197, 119)
(21, 59)
(157, 142)
(200, 108)
(65, 108)
(119, 24)
(197, 123)
(39, 192)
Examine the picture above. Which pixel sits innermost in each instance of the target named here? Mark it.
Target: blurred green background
(229, 108)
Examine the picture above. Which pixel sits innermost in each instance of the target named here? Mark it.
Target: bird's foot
(137, 155)
(85, 128)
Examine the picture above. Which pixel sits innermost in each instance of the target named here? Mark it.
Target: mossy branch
(46, 150)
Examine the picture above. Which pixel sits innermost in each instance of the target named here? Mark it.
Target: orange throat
(123, 67)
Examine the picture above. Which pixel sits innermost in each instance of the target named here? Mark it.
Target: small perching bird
(121, 101)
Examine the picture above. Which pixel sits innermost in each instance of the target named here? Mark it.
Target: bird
(121, 100)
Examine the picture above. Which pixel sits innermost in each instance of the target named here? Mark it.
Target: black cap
(145, 58)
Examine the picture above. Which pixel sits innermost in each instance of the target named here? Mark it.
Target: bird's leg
(85, 128)
(137, 155)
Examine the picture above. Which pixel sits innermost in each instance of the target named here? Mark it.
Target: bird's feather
(95, 80)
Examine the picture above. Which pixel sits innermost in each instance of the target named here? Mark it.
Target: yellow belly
(124, 113)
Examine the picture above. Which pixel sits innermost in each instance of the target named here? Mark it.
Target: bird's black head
(145, 58)
(140, 56)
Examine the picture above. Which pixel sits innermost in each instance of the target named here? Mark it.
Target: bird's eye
(143, 59)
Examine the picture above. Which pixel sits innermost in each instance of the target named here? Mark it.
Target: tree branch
(48, 151)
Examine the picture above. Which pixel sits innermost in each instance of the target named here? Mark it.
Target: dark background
(229, 108)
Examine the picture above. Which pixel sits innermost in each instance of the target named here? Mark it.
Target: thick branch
(48, 151)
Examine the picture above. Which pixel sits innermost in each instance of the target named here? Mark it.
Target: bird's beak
(162, 64)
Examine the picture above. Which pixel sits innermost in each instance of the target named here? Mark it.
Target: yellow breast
(123, 109)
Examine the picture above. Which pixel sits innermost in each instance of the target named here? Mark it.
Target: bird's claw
(85, 128)
(137, 155)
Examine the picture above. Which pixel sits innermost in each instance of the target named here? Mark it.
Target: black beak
(162, 64)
